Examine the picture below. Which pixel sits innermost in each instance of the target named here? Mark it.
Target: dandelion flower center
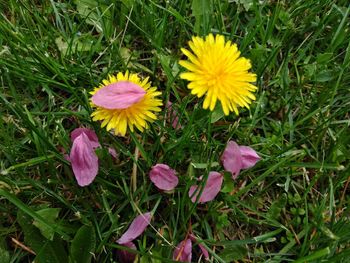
(125, 101)
(216, 70)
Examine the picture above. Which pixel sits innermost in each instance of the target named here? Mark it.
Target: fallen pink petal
(136, 228)
(120, 95)
(183, 251)
(249, 157)
(125, 256)
(211, 188)
(204, 251)
(235, 158)
(163, 177)
(232, 159)
(89, 133)
(84, 160)
(173, 116)
(113, 152)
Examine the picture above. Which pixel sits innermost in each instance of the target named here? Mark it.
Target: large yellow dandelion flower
(124, 101)
(217, 70)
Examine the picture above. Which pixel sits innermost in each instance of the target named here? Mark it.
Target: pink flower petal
(183, 251)
(204, 251)
(126, 256)
(89, 133)
(232, 159)
(136, 228)
(249, 157)
(163, 177)
(84, 160)
(66, 157)
(120, 95)
(173, 116)
(202, 248)
(113, 152)
(211, 188)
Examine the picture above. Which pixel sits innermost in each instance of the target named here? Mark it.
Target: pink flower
(163, 177)
(120, 95)
(235, 158)
(136, 228)
(211, 189)
(83, 159)
(173, 116)
(183, 251)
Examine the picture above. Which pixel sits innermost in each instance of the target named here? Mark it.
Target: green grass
(292, 206)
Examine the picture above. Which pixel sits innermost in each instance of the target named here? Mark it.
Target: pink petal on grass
(163, 177)
(89, 133)
(125, 256)
(113, 152)
(202, 248)
(84, 160)
(173, 116)
(249, 157)
(232, 159)
(204, 251)
(211, 188)
(136, 228)
(183, 251)
(120, 95)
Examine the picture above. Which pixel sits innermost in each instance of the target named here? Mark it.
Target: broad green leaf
(217, 114)
(277, 206)
(83, 245)
(323, 58)
(50, 214)
(202, 9)
(88, 10)
(228, 183)
(324, 76)
(247, 4)
(4, 254)
(80, 44)
(46, 250)
(230, 253)
(204, 165)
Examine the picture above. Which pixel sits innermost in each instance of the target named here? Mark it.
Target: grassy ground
(293, 205)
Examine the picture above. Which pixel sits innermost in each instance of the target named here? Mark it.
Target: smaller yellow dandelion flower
(123, 101)
(217, 70)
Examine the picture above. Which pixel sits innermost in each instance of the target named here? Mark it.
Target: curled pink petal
(211, 188)
(125, 256)
(232, 159)
(136, 228)
(204, 251)
(120, 95)
(183, 251)
(113, 152)
(84, 160)
(163, 177)
(89, 133)
(249, 157)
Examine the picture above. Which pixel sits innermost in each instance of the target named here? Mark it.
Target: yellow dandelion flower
(217, 70)
(123, 101)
